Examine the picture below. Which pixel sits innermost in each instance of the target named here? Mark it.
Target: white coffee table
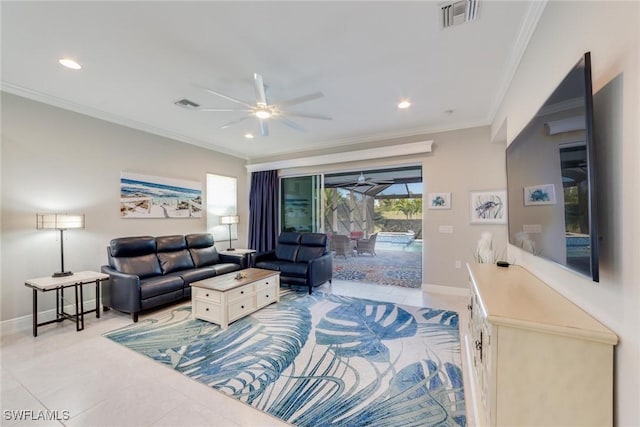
(226, 298)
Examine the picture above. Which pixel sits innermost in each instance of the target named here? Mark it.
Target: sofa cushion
(225, 267)
(307, 253)
(132, 246)
(314, 239)
(203, 257)
(287, 252)
(289, 237)
(298, 269)
(190, 276)
(170, 243)
(200, 240)
(159, 285)
(142, 266)
(269, 264)
(175, 261)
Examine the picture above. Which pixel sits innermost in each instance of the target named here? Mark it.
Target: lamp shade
(229, 219)
(59, 221)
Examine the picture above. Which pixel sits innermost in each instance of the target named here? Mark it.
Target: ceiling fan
(362, 180)
(263, 110)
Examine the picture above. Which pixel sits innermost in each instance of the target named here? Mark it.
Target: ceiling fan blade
(222, 109)
(300, 99)
(233, 122)
(261, 96)
(291, 124)
(227, 97)
(264, 128)
(308, 116)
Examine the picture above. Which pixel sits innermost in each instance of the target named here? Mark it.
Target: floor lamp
(229, 219)
(59, 222)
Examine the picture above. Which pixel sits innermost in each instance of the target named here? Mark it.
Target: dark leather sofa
(301, 259)
(147, 272)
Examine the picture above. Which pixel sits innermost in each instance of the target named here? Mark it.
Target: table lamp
(60, 222)
(229, 219)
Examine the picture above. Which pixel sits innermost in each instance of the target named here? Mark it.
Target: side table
(242, 254)
(58, 284)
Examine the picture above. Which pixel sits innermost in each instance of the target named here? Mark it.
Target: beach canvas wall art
(145, 196)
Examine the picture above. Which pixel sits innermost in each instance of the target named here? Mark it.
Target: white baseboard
(450, 290)
(22, 323)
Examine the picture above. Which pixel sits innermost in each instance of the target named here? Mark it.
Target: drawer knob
(267, 295)
(469, 307)
(242, 306)
(242, 292)
(207, 295)
(206, 309)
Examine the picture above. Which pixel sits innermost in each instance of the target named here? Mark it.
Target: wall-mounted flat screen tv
(551, 178)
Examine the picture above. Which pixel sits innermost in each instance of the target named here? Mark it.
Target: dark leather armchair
(301, 259)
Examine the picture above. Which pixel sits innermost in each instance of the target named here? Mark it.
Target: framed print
(488, 207)
(439, 200)
(540, 195)
(145, 196)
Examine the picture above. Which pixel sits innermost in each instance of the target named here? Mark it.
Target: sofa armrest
(264, 256)
(121, 291)
(320, 270)
(232, 259)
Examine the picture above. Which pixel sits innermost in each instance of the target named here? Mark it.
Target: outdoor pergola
(351, 197)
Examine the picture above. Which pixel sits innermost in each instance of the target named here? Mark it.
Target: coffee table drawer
(269, 282)
(206, 310)
(208, 294)
(241, 307)
(267, 295)
(241, 292)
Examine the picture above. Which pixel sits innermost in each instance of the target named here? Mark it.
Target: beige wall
(56, 160)
(461, 161)
(610, 31)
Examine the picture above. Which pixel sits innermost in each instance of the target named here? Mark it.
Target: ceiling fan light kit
(261, 109)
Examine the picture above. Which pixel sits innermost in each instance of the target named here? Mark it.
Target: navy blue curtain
(263, 211)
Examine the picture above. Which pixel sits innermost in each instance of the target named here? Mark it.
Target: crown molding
(348, 156)
(520, 44)
(111, 118)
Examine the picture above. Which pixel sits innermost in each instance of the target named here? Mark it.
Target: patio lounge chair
(342, 245)
(368, 246)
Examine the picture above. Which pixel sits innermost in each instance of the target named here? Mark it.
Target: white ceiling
(140, 57)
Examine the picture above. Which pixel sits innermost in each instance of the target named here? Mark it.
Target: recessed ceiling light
(69, 63)
(248, 135)
(404, 104)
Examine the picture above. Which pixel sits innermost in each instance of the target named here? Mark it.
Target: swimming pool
(412, 246)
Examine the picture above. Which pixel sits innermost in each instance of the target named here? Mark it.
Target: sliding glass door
(301, 203)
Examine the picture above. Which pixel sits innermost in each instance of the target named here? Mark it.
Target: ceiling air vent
(185, 103)
(458, 12)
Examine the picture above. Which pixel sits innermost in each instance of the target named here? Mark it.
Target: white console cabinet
(537, 359)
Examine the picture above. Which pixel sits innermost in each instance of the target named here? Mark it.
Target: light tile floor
(91, 381)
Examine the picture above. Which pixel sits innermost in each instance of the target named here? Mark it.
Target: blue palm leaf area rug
(320, 359)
